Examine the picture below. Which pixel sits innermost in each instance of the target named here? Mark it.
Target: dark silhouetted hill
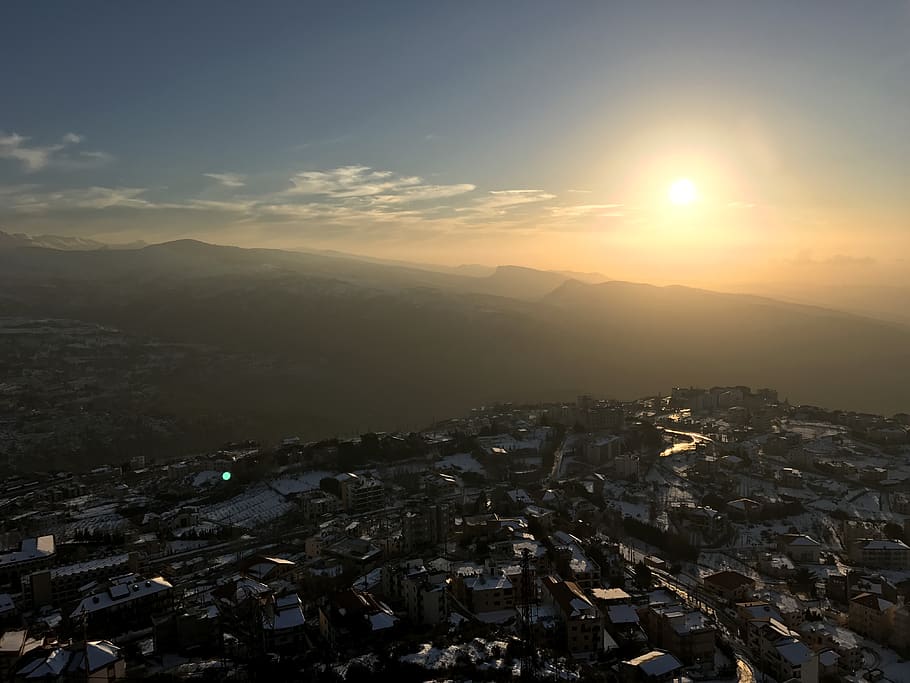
(336, 344)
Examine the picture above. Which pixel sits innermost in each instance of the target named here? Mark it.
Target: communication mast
(529, 652)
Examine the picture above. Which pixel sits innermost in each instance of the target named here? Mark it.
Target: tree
(643, 576)
(894, 531)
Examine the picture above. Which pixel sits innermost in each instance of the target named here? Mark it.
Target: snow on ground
(463, 462)
(299, 483)
(205, 478)
(627, 509)
(256, 506)
(481, 653)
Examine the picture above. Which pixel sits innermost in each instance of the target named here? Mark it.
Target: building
(782, 654)
(127, 603)
(425, 597)
(13, 644)
(800, 548)
(627, 466)
(577, 615)
(880, 553)
(602, 450)
(744, 509)
(752, 616)
(823, 636)
(33, 554)
(283, 624)
(97, 661)
(486, 591)
(9, 613)
(61, 585)
(361, 494)
(872, 616)
(729, 585)
(573, 563)
(651, 667)
(348, 617)
(685, 633)
(900, 634)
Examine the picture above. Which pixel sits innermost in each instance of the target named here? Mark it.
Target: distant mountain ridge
(333, 344)
(59, 242)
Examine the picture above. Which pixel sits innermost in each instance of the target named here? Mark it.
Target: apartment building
(577, 615)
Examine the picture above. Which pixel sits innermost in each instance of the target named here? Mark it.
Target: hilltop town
(707, 535)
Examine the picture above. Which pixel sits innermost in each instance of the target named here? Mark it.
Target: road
(694, 438)
(711, 607)
(567, 445)
(744, 671)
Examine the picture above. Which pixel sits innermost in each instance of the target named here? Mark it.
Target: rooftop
(125, 589)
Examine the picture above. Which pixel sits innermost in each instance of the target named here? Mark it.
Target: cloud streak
(352, 199)
(227, 179)
(348, 182)
(34, 158)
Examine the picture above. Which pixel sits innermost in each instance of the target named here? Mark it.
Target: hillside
(343, 344)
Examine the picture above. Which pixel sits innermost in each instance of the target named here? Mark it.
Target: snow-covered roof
(89, 566)
(101, 653)
(127, 588)
(656, 663)
(30, 549)
(51, 666)
(622, 614)
(381, 620)
(488, 582)
(796, 652)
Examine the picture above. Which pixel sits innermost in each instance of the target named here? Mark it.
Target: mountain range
(339, 343)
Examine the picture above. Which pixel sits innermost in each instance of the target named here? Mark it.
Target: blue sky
(462, 131)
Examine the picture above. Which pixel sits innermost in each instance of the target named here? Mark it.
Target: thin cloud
(35, 158)
(96, 198)
(349, 182)
(227, 179)
(581, 210)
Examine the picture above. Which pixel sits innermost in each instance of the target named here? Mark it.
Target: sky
(539, 133)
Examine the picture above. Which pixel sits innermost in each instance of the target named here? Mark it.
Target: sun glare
(682, 191)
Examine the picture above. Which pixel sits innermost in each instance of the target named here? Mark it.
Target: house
(9, 613)
(651, 667)
(744, 509)
(729, 585)
(13, 644)
(486, 591)
(97, 661)
(268, 569)
(33, 554)
(800, 547)
(283, 624)
(783, 655)
(685, 633)
(577, 615)
(872, 616)
(572, 562)
(350, 616)
(823, 636)
(752, 616)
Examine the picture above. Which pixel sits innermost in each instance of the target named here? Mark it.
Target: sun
(682, 191)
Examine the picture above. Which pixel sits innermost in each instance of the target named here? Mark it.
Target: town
(715, 534)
